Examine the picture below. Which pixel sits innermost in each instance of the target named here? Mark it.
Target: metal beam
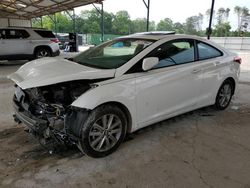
(102, 19)
(41, 22)
(55, 23)
(74, 21)
(102, 23)
(209, 30)
(147, 5)
(11, 7)
(73, 18)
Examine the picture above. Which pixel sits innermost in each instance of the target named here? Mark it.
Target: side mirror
(149, 63)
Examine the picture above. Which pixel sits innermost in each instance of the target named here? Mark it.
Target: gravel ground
(203, 148)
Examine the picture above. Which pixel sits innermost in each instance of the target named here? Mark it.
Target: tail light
(238, 60)
(55, 40)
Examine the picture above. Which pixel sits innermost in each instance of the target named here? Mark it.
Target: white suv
(27, 43)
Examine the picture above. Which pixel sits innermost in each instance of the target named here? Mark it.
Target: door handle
(195, 71)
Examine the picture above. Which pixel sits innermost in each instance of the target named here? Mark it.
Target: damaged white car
(94, 99)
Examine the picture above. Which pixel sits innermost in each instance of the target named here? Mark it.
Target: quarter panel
(215, 71)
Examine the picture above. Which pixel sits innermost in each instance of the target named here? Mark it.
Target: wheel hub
(105, 132)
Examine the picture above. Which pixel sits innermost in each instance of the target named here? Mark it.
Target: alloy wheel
(105, 132)
(225, 95)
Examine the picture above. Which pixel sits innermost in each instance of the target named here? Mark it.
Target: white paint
(150, 96)
(47, 71)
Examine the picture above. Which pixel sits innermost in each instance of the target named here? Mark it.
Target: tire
(42, 52)
(103, 131)
(224, 95)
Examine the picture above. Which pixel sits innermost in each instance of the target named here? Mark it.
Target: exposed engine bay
(48, 113)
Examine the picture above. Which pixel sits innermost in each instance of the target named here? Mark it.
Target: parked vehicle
(94, 99)
(27, 43)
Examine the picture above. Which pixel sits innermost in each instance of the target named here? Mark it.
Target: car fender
(122, 92)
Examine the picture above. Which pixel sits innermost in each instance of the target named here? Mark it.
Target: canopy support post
(209, 30)
(147, 5)
(102, 18)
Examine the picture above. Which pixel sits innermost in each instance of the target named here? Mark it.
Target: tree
(193, 24)
(222, 30)
(64, 24)
(165, 25)
(208, 12)
(242, 14)
(179, 28)
(190, 25)
(199, 23)
(140, 25)
(121, 23)
(222, 15)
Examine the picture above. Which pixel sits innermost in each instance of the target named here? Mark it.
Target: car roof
(158, 35)
(155, 36)
(26, 28)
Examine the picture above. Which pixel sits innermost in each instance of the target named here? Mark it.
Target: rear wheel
(224, 95)
(42, 52)
(103, 131)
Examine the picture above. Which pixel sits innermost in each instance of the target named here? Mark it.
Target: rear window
(45, 34)
(207, 52)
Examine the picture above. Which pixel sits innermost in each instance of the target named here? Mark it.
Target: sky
(177, 10)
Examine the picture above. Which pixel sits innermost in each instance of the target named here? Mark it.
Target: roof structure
(27, 9)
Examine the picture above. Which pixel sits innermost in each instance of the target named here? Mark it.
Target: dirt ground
(203, 148)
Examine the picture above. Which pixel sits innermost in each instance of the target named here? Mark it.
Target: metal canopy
(27, 9)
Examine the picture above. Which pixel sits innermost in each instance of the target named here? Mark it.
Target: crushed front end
(47, 113)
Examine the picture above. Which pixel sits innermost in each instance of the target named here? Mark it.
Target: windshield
(113, 54)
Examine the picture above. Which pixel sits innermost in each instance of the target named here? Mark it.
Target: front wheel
(224, 95)
(103, 131)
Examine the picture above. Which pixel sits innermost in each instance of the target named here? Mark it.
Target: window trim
(198, 54)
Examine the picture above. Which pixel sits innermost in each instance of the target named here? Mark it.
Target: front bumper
(33, 123)
(56, 53)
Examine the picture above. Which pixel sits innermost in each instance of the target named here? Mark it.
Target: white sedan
(94, 99)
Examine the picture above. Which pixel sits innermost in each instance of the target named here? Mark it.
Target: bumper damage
(50, 123)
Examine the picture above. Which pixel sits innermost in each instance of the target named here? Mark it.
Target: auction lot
(204, 148)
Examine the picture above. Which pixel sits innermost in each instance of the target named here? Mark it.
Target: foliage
(243, 17)
(89, 21)
(140, 25)
(222, 15)
(165, 25)
(222, 30)
(122, 23)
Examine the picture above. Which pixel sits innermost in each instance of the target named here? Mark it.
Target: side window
(206, 51)
(171, 53)
(17, 34)
(2, 34)
(45, 33)
(174, 53)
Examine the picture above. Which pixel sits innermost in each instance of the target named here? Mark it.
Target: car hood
(48, 71)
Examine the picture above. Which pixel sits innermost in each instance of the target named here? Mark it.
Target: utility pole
(209, 30)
